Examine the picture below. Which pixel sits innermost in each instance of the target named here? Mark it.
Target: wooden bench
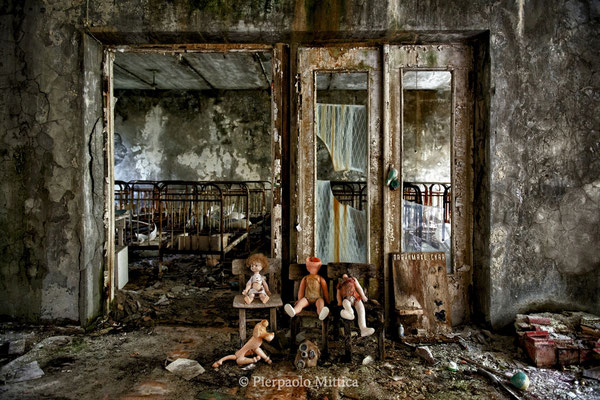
(238, 267)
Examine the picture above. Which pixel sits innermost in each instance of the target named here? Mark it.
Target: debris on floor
(141, 347)
(187, 369)
(551, 339)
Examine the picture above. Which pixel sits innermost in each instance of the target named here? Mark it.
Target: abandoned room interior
(341, 199)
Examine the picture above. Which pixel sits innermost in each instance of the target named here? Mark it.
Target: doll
(251, 347)
(350, 293)
(257, 285)
(313, 290)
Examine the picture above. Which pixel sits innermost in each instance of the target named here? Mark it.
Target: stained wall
(536, 144)
(193, 135)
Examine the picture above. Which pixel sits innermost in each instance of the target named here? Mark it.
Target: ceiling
(192, 71)
(237, 71)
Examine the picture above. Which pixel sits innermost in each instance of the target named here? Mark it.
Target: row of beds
(431, 194)
(202, 217)
(193, 217)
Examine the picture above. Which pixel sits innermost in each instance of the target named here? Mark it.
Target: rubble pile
(568, 338)
(181, 290)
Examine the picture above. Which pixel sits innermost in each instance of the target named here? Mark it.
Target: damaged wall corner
(92, 207)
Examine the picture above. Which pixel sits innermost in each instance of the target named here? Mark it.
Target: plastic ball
(520, 380)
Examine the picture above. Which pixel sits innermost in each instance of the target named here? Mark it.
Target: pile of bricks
(555, 339)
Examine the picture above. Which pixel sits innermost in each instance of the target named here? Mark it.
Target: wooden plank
(274, 301)
(297, 272)
(357, 270)
(421, 289)
(242, 326)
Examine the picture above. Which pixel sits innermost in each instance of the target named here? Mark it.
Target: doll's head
(260, 331)
(257, 263)
(313, 264)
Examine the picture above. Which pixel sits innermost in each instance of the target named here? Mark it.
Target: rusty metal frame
(311, 60)
(279, 134)
(458, 59)
(109, 178)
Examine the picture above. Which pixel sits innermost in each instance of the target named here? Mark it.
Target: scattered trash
(564, 339)
(401, 330)
(452, 366)
(495, 380)
(16, 347)
(248, 367)
(162, 301)
(178, 289)
(520, 380)
(16, 372)
(593, 373)
(185, 368)
(396, 378)
(425, 353)
(367, 360)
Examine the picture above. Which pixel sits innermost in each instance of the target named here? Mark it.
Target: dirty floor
(175, 315)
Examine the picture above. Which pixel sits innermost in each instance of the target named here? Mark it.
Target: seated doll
(350, 293)
(313, 290)
(257, 284)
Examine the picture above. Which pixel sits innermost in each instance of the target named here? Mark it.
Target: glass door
(338, 137)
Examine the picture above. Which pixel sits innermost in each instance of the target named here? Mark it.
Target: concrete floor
(125, 357)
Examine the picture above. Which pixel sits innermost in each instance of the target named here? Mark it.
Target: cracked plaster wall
(41, 149)
(536, 145)
(193, 135)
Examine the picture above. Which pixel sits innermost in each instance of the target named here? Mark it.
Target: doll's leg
(263, 355)
(322, 310)
(249, 298)
(292, 311)
(362, 319)
(220, 362)
(247, 360)
(263, 297)
(347, 312)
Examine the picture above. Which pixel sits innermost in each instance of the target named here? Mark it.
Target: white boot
(362, 319)
(347, 312)
(324, 313)
(290, 310)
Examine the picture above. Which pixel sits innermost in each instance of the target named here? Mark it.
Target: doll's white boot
(290, 310)
(324, 313)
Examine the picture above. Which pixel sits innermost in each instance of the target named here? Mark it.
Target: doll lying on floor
(252, 346)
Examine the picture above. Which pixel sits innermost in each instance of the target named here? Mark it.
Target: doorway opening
(190, 176)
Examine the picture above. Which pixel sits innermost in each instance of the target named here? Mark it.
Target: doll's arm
(266, 287)
(360, 291)
(325, 289)
(248, 286)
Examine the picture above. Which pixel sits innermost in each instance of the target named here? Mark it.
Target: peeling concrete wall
(41, 149)
(92, 207)
(536, 144)
(193, 135)
(545, 161)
